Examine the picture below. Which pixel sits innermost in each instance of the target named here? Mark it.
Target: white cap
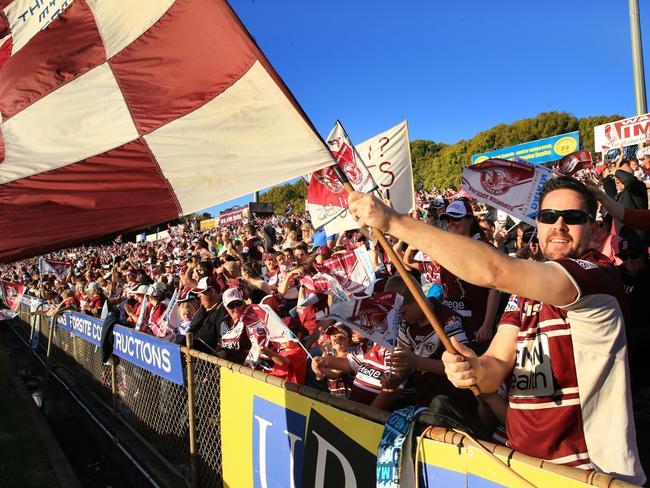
(456, 209)
(231, 295)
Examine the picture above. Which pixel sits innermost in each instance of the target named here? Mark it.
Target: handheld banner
(160, 357)
(511, 186)
(327, 200)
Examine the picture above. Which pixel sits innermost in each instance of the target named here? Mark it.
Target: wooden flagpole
(415, 290)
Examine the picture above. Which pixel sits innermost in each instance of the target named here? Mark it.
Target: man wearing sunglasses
(561, 340)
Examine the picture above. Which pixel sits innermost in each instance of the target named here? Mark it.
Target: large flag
(57, 268)
(327, 200)
(12, 294)
(511, 186)
(376, 317)
(121, 115)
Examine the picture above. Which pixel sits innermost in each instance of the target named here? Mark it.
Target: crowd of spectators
(221, 275)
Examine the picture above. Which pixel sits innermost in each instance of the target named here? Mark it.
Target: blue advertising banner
(160, 357)
(539, 151)
(84, 326)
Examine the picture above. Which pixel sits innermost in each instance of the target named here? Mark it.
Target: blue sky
(452, 69)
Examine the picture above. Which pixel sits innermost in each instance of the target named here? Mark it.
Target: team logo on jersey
(532, 375)
(586, 264)
(513, 304)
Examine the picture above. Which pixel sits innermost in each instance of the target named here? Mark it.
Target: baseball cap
(631, 246)
(139, 290)
(157, 289)
(323, 251)
(186, 296)
(456, 210)
(231, 295)
(438, 202)
(643, 153)
(204, 283)
(338, 327)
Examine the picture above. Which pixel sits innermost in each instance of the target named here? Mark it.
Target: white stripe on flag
(226, 149)
(38, 138)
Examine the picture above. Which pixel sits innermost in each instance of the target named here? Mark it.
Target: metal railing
(180, 424)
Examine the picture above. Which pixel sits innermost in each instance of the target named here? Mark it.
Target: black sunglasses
(571, 217)
(235, 304)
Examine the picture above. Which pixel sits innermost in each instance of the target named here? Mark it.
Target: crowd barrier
(216, 423)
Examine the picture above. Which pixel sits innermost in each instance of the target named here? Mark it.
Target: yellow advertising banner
(271, 437)
(208, 224)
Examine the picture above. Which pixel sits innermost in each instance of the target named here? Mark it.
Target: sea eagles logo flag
(58, 268)
(327, 200)
(121, 115)
(376, 316)
(12, 294)
(511, 186)
(352, 272)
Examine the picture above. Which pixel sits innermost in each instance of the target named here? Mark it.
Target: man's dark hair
(250, 228)
(303, 247)
(568, 183)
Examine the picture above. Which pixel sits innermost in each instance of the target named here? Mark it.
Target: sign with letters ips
(539, 151)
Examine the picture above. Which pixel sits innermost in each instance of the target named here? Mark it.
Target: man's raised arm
(470, 260)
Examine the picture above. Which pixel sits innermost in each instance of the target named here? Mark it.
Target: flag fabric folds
(511, 186)
(12, 294)
(58, 268)
(375, 316)
(327, 200)
(121, 115)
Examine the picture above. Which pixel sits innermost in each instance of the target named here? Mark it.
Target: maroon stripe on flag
(102, 195)
(193, 53)
(69, 47)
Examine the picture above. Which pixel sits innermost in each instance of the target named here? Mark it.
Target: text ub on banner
(625, 132)
(511, 186)
(155, 355)
(327, 200)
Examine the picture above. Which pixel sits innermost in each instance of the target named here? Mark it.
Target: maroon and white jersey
(369, 367)
(423, 340)
(570, 398)
(467, 300)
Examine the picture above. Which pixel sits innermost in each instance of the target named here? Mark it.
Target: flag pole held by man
(561, 341)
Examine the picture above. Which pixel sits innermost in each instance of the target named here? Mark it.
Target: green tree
(280, 196)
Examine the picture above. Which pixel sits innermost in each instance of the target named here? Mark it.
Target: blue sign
(84, 326)
(160, 357)
(539, 151)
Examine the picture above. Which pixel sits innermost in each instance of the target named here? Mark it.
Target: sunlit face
(459, 226)
(235, 310)
(340, 341)
(560, 240)
(299, 255)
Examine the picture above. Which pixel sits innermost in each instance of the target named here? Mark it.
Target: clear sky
(452, 69)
